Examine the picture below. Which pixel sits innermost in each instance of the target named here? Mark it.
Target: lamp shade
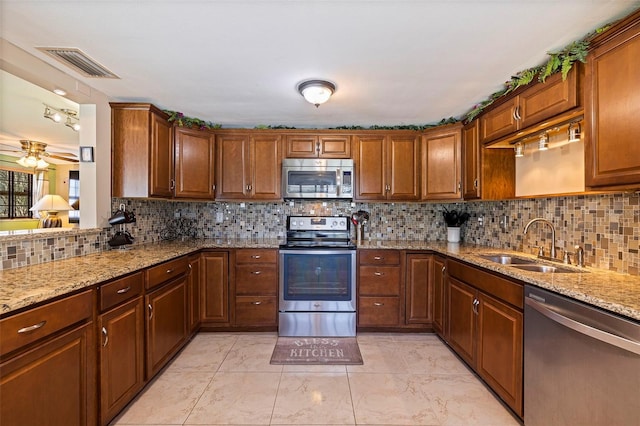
(51, 202)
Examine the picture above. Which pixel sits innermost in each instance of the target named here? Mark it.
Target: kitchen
(585, 219)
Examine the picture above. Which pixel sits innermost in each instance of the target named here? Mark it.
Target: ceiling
(238, 62)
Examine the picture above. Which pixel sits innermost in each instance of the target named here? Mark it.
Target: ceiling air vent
(79, 61)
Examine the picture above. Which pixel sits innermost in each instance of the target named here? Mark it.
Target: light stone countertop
(26, 286)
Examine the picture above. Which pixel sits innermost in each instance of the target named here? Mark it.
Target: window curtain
(40, 188)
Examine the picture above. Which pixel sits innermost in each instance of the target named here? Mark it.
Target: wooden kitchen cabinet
(419, 289)
(256, 288)
(214, 289)
(194, 163)
(379, 288)
(193, 291)
(442, 163)
(612, 151)
(317, 146)
(387, 167)
(142, 151)
(166, 323)
(488, 173)
(47, 369)
(531, 105)
(249, 166)
(438, 277)
(485, 323)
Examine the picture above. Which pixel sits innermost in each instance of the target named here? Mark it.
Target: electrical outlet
(481, 221)
(242, 205)
(219, 217)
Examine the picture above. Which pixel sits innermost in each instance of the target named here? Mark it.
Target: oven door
(317, 280)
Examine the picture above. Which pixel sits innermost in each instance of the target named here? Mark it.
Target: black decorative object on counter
(455, 219)
(122, 237)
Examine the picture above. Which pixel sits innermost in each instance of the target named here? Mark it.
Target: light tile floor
(406, 379)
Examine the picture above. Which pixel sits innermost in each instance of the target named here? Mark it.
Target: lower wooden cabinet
(379, 288)
(52, 383)
(256, 288)
(166, 323)
(438, 276)
(486, 330)
(419, 289)
(214, 288)
(121, 354)
(193, 291)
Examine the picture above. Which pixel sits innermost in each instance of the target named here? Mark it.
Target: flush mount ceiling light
(316, 91)
(55, 114)
(543, 143)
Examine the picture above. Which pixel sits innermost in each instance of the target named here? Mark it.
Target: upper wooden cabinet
(612, 151)
(141, 151)
(387, 166)
(532, 105)
(194, 163)
(441, 163)
(249, 166)
(318, 146)
(488, 173)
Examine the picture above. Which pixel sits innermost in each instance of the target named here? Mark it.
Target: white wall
(95, 115)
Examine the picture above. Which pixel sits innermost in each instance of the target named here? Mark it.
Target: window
(74, 196)
(16, 194)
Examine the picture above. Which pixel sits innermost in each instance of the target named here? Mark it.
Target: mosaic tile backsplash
(606, 226)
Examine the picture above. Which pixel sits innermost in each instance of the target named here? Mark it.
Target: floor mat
(317, 350)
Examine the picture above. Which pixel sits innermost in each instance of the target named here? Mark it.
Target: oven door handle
(595, 333)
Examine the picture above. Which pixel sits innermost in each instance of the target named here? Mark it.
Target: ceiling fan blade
(71, 160)
(65, 154)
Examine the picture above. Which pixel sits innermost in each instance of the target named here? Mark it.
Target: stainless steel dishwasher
(581, 365)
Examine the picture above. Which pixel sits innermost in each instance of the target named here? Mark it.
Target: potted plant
(454, 221)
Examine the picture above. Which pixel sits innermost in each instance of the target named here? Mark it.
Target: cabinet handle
(379, 274)
(378, 257)
(106, 337)
(378, 304)
(459, 186)
(32, 327)
(169, 271)
(516, 113)
(256, 303)
(256, 256)
(172, 184)
(476, 302)
(318, 147)
(150, 311)
(256, 272)
(475, 183)
(123, 290)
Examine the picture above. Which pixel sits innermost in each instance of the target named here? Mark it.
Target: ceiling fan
(33, 151)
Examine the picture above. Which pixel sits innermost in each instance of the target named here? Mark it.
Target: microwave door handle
(338, 182)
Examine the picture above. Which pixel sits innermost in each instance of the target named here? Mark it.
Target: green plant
(182, 120)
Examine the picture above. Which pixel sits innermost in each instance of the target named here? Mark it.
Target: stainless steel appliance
(317, 294)
(582, 365)
(317, 178)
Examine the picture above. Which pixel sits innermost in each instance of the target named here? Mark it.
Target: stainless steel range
(317, 278)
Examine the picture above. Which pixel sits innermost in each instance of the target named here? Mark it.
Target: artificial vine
(183, 121)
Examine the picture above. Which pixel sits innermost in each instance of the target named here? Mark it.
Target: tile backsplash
(606, 226)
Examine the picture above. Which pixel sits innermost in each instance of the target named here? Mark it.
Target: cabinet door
(166, 323)
(334, 146)
(403, 178)
(193, 290)
(51, 384)
(214, 287)
(545, 100)
(612, 151)
(461, 321)
(371, 166)
(499, 360)
(499, 121)
(233, 166)
(441, 163)
(301, 146)
(378, 311)
(419, 289)
(195, 163)
(161, 179)
(471, 161)
(252, 311)
(266, 164)
(439, 296)
(121, 357)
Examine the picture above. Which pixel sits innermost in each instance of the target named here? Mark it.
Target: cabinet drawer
(256, 256)
(379, 311)
(379, 280)
(22, 329)
(159, 274)
(120, 290)
(379, 257)
(256, 279)
(256, 310)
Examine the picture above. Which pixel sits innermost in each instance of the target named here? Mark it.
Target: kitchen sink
(506, 259)
(535, 267)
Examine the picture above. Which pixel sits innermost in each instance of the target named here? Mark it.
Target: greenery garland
(181, 120)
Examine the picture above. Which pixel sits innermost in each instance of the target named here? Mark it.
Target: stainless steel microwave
(317, 178)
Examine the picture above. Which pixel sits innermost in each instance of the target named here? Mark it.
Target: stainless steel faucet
(553, 233)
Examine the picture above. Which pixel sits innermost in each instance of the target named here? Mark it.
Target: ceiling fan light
(41, 164)
(316, 91)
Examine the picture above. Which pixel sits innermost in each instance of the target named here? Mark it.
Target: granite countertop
(22, 287)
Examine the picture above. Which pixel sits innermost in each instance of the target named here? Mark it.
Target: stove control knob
(343, 222)
(334, 224)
